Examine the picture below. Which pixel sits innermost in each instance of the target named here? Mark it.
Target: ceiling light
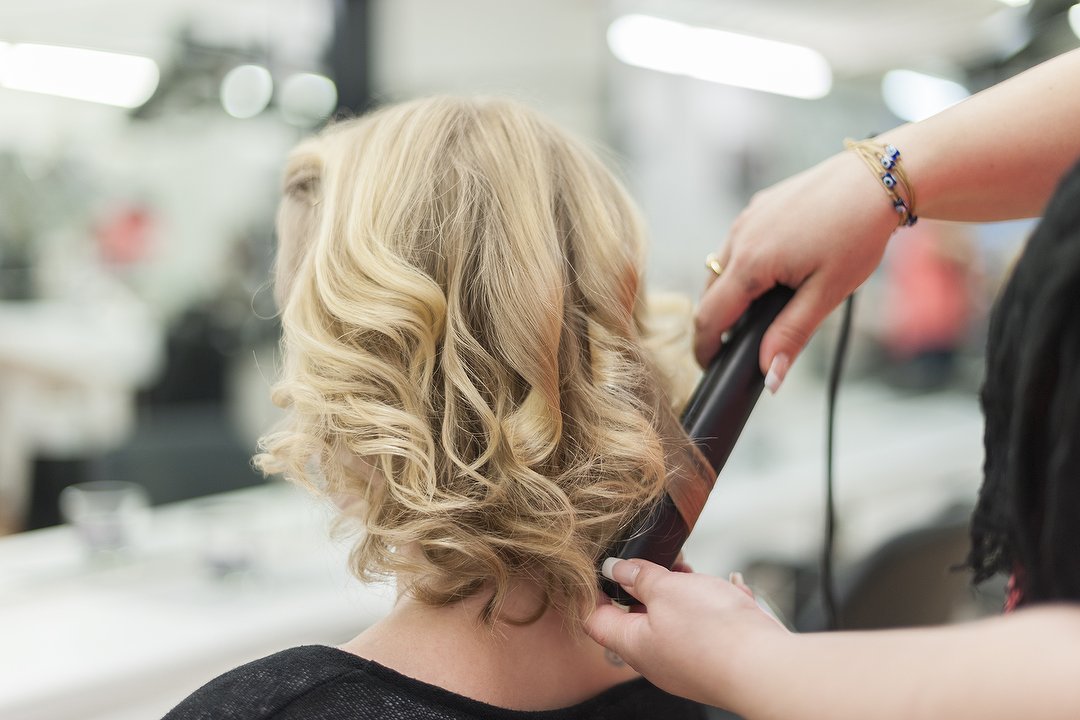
(914, 96)
(1074, 19)
(94, 75)
(246, 91)
(307, 98)
(719, 56)
(1015, 3)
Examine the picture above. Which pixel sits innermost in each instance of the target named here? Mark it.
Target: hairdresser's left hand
(699, 637)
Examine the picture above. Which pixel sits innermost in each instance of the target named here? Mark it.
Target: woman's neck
(539, 666)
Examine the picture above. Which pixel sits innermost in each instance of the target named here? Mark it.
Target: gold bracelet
(884, 162)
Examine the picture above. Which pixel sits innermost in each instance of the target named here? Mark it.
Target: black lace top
(322, 683)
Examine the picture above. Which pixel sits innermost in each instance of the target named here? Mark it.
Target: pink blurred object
(928, 294)
(124, 237)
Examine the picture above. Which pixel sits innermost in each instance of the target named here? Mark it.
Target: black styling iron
(714, 416)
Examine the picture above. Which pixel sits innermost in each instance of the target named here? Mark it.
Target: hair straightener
(714, 417)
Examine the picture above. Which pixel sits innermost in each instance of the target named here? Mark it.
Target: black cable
(828, 588)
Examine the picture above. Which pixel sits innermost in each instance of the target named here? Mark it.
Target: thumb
(613, 627)
(792, 329)
(640, 578)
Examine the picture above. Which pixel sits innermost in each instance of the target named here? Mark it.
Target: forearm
(999, 154)
(1024, 665)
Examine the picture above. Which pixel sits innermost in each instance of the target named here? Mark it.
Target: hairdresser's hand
(699, 636)
(822, 232)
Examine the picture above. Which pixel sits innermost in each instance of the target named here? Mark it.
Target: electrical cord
(828, 587)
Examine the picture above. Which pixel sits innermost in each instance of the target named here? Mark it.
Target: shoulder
(324, 683)
(633, 700)
(639, 699)
(265, 688)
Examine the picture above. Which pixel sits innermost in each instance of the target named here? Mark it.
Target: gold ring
(713, 263)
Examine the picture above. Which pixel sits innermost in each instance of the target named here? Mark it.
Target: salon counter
(123, 638)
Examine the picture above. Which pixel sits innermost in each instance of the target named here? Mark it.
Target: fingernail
(736, 579)
(616, 570)
(777, 370)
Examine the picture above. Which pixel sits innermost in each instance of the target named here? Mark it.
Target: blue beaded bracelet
(887, 157)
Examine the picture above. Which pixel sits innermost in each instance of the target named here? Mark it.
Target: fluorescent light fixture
(93, 75)
(246, 91)
(914, 96)
(719, 56)
(307, 98)
(1074, 19)
(1015, 3)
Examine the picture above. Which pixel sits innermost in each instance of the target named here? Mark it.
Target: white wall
(548, 53)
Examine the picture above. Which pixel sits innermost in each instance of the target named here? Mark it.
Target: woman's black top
(323, 683)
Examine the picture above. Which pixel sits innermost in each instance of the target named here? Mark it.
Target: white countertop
(131, 638)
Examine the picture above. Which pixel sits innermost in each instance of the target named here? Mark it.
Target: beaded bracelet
(884, 162)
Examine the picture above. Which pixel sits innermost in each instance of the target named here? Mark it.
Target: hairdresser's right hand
(699, 637)
(822, 232)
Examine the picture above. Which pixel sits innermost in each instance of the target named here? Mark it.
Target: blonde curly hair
(465, 350)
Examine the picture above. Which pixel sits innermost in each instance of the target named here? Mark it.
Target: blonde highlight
(465, 349)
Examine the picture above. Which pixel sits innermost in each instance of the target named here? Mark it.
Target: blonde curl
(465, 349)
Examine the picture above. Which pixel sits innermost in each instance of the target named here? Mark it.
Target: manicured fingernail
(777, 370)
(616, 570)
(736, 579)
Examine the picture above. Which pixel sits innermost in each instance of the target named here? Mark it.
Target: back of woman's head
(462, 331)
(1028, 517)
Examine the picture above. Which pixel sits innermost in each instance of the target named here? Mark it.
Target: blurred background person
(929, 285)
